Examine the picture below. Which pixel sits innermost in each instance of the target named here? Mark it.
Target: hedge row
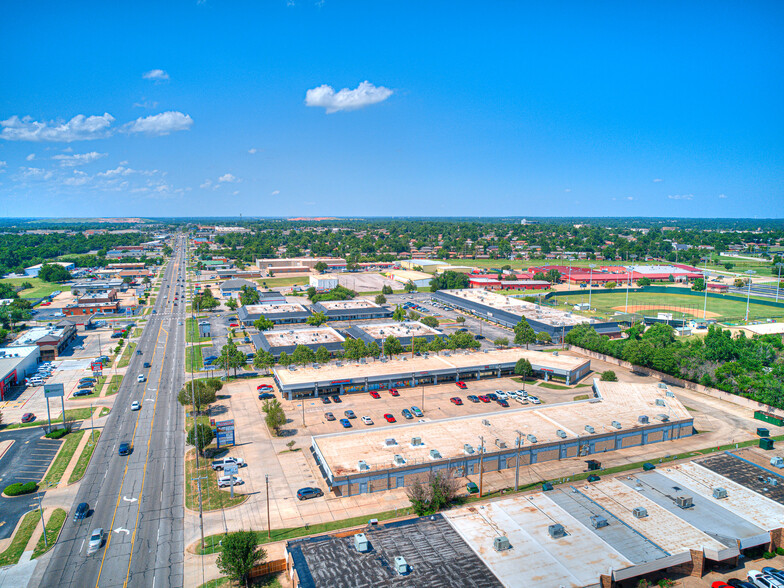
(19, 489)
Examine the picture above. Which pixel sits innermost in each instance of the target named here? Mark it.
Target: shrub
(56, 434)
(780, 551)
(608, 376)
(18, 489)
(768, 555)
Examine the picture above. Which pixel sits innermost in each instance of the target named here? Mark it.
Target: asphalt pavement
(138, 499)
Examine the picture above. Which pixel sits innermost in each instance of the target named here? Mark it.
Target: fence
(268, 567)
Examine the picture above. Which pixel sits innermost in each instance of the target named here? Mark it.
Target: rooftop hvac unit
(485, 422)
(719, 493)
(555, 352)
(777, 462)
(531, 438)
(662, 385)
(684, 501)
(416, 441)
(363, 466)
(501, 544)
(561, 434)
(556, 531)
(467, 449)
(399, 460)
(670, 394)
(642, 419)
(435, 454)
(500, 444)
(589, 429)
(660, 402)
(361, 543)
(390, 442)
(401, 567)
(663, 417)
(640, 512)
(616, 424)
(598, 521)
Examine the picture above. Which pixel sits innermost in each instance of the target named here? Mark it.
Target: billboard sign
(231, 469)
(225, 433)
(54, 390)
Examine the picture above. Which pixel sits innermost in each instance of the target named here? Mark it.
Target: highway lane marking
(125, 472)
(126, 499)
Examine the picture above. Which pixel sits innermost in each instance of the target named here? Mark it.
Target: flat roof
(405, 365)
(274, 308)
(347, 304)
(412, 275)
(312, 336)
(536, 559)
(405, 329)
(619, 402)
(9, 363)
(529, 310)
(766, 328)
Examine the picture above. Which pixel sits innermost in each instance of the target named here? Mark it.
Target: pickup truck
(218, 464)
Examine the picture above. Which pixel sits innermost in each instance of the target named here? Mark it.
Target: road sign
(231, 469)
(53, 390)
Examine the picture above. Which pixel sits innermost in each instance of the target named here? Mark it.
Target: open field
(39, 289)
(281, 282)
(607, 304)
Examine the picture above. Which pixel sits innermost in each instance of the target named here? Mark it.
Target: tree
(198, 394)
(276, 417)
(53, 272)
(322, 355)
(419, 345)
(231, 304)
(413, 315)
(449, 280)
(381, 299)
(553, 276)
(644, 282)
(240, 553)
(146, 280)
(523, 368)
(311, 292)
(460, 319)
(729, 265)
(231, 357)
(316, 319)
(699, 285)
(25, 286)
(429, 321)
(436, 345)
(608, 376)
(410, 287)
(543, 338)
(539, 276)
(200, 437)
(524, 333)
(430, 497)
(249, 295)
(320, 267)
(263, 359)
(126, 279)
(373, 349)
(392, 346)
(385, 289)
(501, 342)
(671, 278)
(610, 285)
(399, 314)
(263, 324)
(303, 355)
(284, 359)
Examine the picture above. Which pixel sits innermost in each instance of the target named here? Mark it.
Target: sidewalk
(75, 458)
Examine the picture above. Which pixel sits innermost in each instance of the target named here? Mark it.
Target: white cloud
(160, 124)
(79, 128)
(680, 196)
(116, 172)
(206, 184)
(145, 104)
(252, 150)
(722, 196)
(78, 158)
(630, 198)
(568, 190)
(3, 164)
(228, 178)
(366, 94)
(157, 75)
(35, 173)
(274, 192)
(235, 192)
(657, 180)
(30, 157)
(78, 179)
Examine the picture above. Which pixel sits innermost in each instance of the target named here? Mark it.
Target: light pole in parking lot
(590, 284)
(748, 293)
(269, 530)
(517, 459)
(42, 488)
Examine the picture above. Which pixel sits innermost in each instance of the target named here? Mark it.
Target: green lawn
(192, 332)
(127, 354)
(285, 281)
(53, 526)
(67, 449)
(39, 289)
(212, 497)
(72, 414)
(84, 458)
(114, 385)
(193, 358)
(268, 581)
(654, 302)
(14, 551)
(104, 411)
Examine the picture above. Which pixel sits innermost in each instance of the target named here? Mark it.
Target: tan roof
(347, 304)
(282, 338)
(407, 329)
(274, 308)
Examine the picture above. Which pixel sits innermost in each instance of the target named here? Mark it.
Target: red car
(461, 385)
(263, 387)
(233, 325)
(484, 398)
(28, 417)
(45, 303)
(456, 400)
(389, 418)
(394, 392)
(375, 394)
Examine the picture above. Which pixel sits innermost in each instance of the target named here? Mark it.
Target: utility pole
(201, 511)
(481, 464)
(517, 460)
(269, 529)
(41, 508)
(590, 284)
(303, 410)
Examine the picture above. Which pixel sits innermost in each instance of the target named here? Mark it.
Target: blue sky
(415, 108)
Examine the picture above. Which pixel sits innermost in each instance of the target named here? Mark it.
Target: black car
(306, 493)
(83, 392)
(266, 396)
(146, 364)
(473, 398)
(326, 400)
(492, 396)
(336, 399)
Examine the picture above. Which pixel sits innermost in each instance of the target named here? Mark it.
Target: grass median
(72, 414)
(67, 450)
(21, 538)
(193, 358)
(192, 332)
(125, 359)
(113, 385)
(84, 458)
(212, 497)
(53, 526)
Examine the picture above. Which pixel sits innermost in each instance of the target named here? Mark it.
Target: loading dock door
(363, 487)
(401, 481)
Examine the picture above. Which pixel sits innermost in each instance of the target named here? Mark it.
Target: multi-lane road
(138, 499)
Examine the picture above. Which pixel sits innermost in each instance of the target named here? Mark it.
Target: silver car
(96, 541)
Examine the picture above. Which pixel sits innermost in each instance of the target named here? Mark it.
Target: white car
(367, 420)
(225, 481)
(534, 400)
(502, 395)
(136, 405)
(96, 540)
(140, 378)
(763, 580)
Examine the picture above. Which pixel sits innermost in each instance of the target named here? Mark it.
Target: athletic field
(681, 306)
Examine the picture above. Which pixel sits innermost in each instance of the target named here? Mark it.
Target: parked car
(329, 416)
(86, 385)
(407, 414)
(389, 418)
(336, 399)
(136, 405)
(346, 423)
(263, 386)
(350, 414)
(28, 417)
(95, 542)
(124, 449)
(461, 385)
(219, 464)
(211, 358)
(500, 394)
(374, 394)
(86, 380)
(473, 398)
(484, 398)
(763, 580)
(472, 488)
(83, 392)
(326, 400)
(503, 402)
(394, 392)
(81, 511)
(492, 396)
(416, 411)
(735, 583)
(367, 420)
(456, 401)
(266, 396)
(534, 400)
(307, 493)
(225, 481)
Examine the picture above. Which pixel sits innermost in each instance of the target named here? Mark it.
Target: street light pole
(481, 463)
(269, 530)
(705, 305)
(517, 460)
(41, 508)
(778, 265)
(748, 295)
(590, 284)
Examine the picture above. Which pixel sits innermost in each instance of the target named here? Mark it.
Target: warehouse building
(51, 341)
(280, 340)
(300, 264)
(232, 288)
(91, 308)
(33, 270)
(447, 366)
(494, 283)
(419, 279)
(16, 363)
(325, 282)
(403, 332)
(619, 415)
(280, 314)
(507, 311)
(91, 286)
(351, 310)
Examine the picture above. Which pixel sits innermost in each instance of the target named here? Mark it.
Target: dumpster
(766, 443)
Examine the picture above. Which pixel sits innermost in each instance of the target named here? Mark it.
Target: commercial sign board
(54, 390)
(231, 469)
(225, 433)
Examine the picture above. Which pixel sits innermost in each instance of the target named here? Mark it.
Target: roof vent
(556, 531)
(531, 438)
(416, 441)
(500, 444)
(660, 402)
(670, 394)
(598, 521)
(589, 429)
(719, 493)
(684, 501)
(485, 422)
(361, 543)
(640, 512)
(390, 442)
(642, 419)
(399, 460)
(616, 424)
(401, 567)
(501, 544)
(363, 466)
(561, 434)
(663, 417)
(435, 454)
(662, 385)
(467, 449)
